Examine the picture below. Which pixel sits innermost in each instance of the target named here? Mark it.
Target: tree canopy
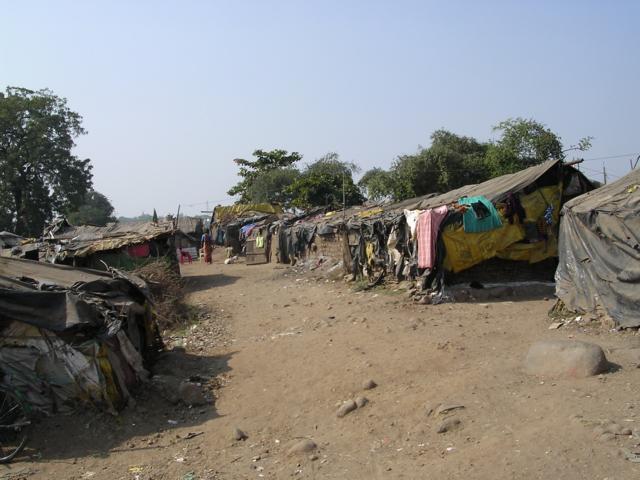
(96, 210)
(253, 173)
(452, 160)
(323, 182)
(40, 175)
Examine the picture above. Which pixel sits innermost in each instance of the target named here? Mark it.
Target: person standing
(207, 246)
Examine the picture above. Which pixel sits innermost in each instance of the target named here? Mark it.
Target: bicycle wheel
(14, 420)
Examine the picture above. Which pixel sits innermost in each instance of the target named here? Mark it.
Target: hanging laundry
(259, 241)
(481, 216)
(427, 232)
(412, 220)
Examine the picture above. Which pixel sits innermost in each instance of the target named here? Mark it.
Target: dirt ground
(285, 350)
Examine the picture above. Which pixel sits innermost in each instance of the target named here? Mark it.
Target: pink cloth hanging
(427, 233)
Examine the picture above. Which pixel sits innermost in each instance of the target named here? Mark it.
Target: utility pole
(344, 200)
(604, 173)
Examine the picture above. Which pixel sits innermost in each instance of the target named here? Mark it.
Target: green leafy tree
(376, 184)
(40, 176)
(524, 143)
(252, 170)
(323, 182)
(272, 186)
(96, 210)
(450, 162)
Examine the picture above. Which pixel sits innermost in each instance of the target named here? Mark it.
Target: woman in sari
(207, 246)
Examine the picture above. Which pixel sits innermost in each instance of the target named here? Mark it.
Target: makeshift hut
(513, 217)
(73, 336)
(599, 252)
(119, 245)
(231, 226)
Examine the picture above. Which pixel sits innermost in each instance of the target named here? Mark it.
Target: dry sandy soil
(294, 348)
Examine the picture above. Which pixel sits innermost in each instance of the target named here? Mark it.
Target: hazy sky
(171, 92)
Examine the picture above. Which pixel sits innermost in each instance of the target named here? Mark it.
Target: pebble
(361, 401)
(239, 434)
(369, 384)
(347, 407)
(448, 425)
(303, 446)
(605, 437)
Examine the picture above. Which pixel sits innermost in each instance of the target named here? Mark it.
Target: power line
(611, 157)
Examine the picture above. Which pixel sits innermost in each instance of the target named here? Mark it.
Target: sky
(172, 92)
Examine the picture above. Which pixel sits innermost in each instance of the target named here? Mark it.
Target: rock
(613, 428)
(565, 358)
(369, 384)
(448, 425)
(605, 437)
(191, 394)
(303, 446)
(238, 435)
(347, 407)
(361, 401)
(447, 407)
(167, 386)
(625, 431)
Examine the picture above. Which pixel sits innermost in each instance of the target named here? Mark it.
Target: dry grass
(166, 287)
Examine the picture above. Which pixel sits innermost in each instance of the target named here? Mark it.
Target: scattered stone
(369, 384)
(626, 432)
(448, 425)
(445, 408)
(612, 428)
(565, 358)
(239, 435)
(313, 457)
(303, 446)
(347, 407)
(555, 325)
(605, 437)
(167, 386)
(191, 394)
(361, 401)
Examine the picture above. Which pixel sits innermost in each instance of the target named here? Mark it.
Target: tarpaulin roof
(71, 336)
(494, 189)
(225, 214)
(80, 241)
(599, 251)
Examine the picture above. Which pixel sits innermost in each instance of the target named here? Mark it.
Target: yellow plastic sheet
(531, 252)
(536, 202)
(464, 250)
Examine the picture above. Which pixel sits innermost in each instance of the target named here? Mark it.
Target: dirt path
(297, 348)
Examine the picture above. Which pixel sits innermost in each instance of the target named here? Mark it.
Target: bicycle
(14, 421)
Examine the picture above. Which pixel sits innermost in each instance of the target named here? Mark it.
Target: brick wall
(327, 246)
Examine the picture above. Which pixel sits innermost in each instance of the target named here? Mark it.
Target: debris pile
(166, 288)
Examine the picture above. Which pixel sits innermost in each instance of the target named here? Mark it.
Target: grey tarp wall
(599, 251)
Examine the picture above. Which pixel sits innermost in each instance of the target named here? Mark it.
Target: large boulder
(565, 358)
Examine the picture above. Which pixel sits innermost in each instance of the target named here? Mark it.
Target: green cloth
(474, 224)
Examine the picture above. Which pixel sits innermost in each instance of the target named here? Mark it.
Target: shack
(512, 218)
(73, 337)
(599, 252)
(233, 225)
(118, 245)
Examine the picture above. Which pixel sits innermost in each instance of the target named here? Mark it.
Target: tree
(376, 184)
(450, 162)
(251, 170)
(271, 186)
(96, 210)
(40, 176)
(323, 182)
(522, 144)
